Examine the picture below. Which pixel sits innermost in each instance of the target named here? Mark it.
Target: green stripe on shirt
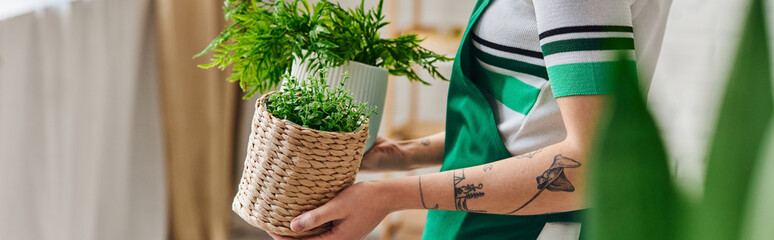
(510, 91)
(587, 44)
(587, 78)
(510, 64)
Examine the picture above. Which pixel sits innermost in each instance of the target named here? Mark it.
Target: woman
(527, 89)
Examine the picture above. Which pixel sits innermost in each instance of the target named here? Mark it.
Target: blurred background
(108, 130)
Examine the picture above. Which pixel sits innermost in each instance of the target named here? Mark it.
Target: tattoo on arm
(426, 142)
(529, 154)
(422, 196)
(554, 179)
(464, 192)
(488, 167)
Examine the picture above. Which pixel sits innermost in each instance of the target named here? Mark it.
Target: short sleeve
(581, 40)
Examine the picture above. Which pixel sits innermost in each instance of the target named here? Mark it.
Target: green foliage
(630, 189)
(741, 127)
(266, 36)
(312, 104)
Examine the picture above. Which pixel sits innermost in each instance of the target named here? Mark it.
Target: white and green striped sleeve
(581, 39)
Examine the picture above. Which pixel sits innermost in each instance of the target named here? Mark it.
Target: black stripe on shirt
(577, 29)
(520, 51)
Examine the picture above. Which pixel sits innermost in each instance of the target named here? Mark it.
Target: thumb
(312, 219)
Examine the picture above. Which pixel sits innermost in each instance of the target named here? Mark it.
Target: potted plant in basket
(270, 38)
(306, 144)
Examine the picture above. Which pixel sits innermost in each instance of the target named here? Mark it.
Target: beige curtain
(80, 131)
(199, 113)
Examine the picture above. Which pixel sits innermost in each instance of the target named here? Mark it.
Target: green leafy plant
(313, 104)
(266, 36)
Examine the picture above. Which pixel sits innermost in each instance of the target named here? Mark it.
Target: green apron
(472, 139)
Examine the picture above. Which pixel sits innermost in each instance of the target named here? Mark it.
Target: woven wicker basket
(290, 170)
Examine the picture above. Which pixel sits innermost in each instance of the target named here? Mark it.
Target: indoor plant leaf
(630, 189)
(739, 133)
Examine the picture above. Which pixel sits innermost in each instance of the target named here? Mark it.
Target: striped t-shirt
(531, 51)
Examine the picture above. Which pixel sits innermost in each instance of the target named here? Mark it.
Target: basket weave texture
(290, 169)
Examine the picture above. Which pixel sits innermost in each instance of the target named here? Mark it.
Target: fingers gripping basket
(290, 170)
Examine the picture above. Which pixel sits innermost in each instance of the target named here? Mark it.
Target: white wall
(689, 80)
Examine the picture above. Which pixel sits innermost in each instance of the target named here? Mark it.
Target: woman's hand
(385, 154)
(355, 212)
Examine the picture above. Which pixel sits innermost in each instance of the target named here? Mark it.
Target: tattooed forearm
(463, 192)
(529, 154)
(422, 196)
(554, 179)
(487, 168)
(426, 142)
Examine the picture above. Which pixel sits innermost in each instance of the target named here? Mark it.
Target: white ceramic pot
(367, 84)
